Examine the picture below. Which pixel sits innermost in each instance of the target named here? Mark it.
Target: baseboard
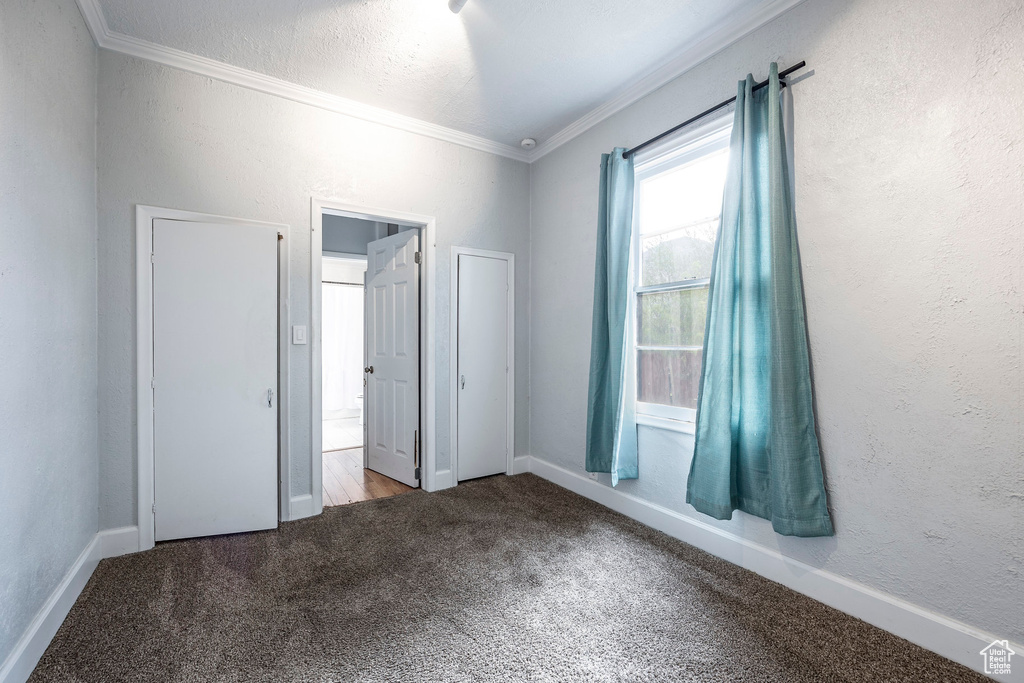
(944, 636)
(33, 643)
(120, 541)
(301, 506)
(521, 464)
(442, 480)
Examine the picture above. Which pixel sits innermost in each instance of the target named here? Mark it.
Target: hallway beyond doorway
(342, 433)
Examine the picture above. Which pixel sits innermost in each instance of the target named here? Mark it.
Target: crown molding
(727, 33)
(685, 59)
(143, 49)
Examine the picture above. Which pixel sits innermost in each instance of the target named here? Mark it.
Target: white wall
(909, 148)
(173, 139)
(48, 461)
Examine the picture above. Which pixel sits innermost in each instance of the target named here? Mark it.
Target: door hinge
(416, 453)
(152, 257)
(418, 257)
(154, 508)
(280, 237)
(152, 383)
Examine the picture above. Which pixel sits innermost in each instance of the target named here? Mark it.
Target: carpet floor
(499, 579)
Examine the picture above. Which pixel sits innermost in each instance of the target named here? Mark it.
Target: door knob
(369, 369)
(463, 381)
(270, 398)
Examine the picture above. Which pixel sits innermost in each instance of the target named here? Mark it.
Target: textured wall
(172, 139)
(909, 150)
(48, 487)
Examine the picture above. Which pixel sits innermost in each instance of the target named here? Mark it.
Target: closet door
(483, 366)
(215, 388)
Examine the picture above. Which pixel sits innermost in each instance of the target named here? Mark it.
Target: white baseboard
(301, 506)
(120, 541)
(944, 636)
(33, 643)
(442, 480)
(43, 627)
(521, 464)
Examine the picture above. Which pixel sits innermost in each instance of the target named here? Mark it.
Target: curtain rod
(630, 152)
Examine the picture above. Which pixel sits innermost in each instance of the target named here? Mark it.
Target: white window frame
(697, 142)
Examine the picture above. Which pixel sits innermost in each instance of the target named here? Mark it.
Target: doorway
(368, 340)
(343, 354)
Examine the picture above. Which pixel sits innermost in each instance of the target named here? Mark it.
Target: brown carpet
(500, 579)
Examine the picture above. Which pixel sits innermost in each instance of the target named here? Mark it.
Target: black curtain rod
(630, 152)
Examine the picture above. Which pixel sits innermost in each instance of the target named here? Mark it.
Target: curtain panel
(611, 413)
(755, 447)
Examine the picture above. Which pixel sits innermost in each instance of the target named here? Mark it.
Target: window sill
(666, 423)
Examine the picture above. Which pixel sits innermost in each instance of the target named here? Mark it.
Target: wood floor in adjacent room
(345, 480)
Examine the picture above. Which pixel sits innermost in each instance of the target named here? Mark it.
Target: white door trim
(453, 350)
(428, 366)
(144, 216)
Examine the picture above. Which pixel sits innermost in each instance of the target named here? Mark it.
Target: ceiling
(501, 69)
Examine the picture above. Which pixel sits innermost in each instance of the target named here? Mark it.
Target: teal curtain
(755, 447)
(611, 417)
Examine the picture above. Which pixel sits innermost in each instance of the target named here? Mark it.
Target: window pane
(669, 377)
(685, 195)
(678, 255)
(673, 318)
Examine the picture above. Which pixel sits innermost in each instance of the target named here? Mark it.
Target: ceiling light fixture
(456, 5)
(528, 143)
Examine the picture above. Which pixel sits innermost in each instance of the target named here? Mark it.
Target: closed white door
(483, 364)
(392, 354)
(215, 378)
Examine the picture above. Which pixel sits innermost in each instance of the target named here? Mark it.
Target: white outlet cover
(298, 334)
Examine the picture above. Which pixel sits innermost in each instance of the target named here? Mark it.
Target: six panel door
(392, 352)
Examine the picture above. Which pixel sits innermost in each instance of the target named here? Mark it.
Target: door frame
(453, 363)
(429, 480)
(144, 217)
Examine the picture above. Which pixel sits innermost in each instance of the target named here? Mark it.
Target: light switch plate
(298, 334)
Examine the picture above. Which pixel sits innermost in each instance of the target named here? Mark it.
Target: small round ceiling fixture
(456, 5)
(528, 143)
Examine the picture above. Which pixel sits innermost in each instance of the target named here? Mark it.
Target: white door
(392, 354)
(215, 378)
(483, 364)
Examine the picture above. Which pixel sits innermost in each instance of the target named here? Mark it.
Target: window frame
(710, 137)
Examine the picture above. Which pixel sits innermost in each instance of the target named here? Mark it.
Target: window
(677, 209)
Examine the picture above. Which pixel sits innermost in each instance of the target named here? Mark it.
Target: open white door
(392, 402)
(215, 378)
(484, 381)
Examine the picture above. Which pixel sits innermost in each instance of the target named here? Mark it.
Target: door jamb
(431, 480)
(144, 217)
(453, 350)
